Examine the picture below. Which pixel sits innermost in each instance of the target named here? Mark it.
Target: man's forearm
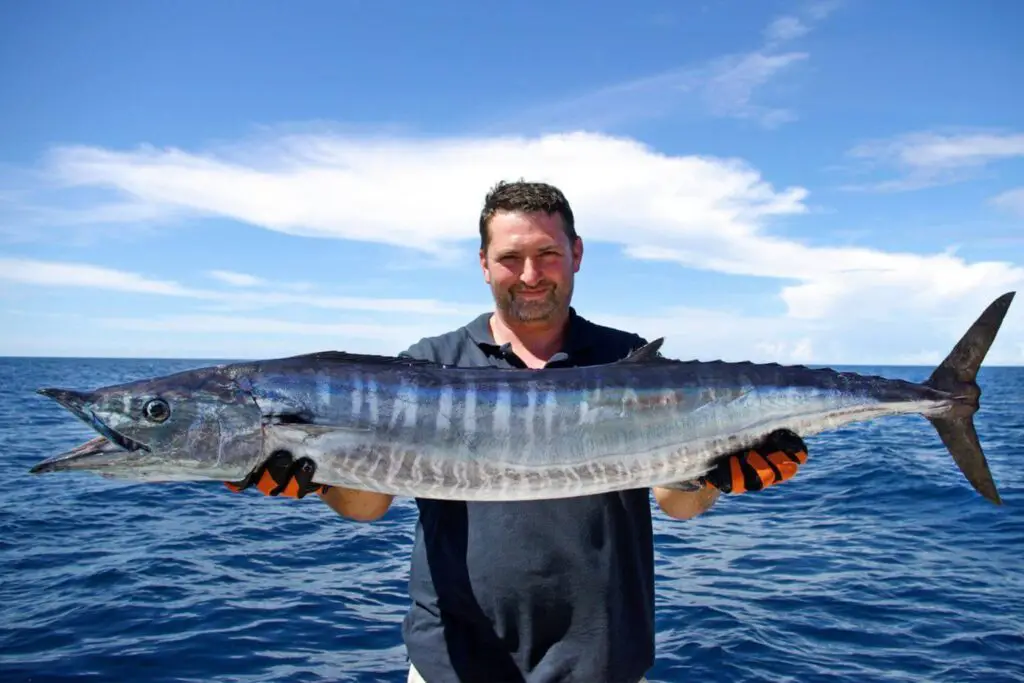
(361, 506)
(685, 504)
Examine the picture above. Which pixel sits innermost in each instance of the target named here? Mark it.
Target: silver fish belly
(509, 435)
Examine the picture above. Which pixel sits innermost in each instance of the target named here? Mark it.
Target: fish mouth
(106, 449)
(95, 453)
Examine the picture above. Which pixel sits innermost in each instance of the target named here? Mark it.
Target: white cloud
(1011, 200)
(732, 81)
(690, 333)
(725, 86)
(923, 337)
(939, 152)
(927, 159)
(923, 333)
(729, 83)
(51, 273)
(221, 337)
(818, 11)
(231, 335)
(81, 275)
(785, 29)
(704, 334)
(861, 282)
(703, 212)
(237, 279)
(417, 193)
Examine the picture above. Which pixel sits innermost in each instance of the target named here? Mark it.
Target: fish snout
(75, 401)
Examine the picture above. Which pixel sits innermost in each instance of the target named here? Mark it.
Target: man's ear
(577, 254)
(483, 266)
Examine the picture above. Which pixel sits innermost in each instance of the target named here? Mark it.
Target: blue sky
(826, 181)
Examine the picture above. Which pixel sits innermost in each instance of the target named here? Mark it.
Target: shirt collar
(576, 338)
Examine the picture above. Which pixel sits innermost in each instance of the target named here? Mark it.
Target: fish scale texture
(877, 563)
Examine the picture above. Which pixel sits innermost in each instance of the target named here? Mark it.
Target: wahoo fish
(421, 429)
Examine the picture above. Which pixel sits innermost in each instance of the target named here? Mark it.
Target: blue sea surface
(878, 562)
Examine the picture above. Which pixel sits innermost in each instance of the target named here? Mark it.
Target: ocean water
(876, 563)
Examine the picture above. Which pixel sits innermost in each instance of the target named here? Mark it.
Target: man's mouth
(532, 293)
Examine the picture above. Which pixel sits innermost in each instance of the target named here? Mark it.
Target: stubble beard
(519, 310)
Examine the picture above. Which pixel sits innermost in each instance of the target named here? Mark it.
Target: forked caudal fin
(957, 374)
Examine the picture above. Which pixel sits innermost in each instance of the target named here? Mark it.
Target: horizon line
(242, 359)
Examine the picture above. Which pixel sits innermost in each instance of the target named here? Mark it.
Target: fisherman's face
(530, 264)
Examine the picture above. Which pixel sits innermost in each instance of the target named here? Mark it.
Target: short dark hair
(525, 197)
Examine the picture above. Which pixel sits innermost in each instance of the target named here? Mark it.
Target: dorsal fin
(348, 357)
(645, 353)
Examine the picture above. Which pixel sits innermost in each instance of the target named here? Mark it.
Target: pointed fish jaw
(77, 403)
(95, 454)
(73, 401)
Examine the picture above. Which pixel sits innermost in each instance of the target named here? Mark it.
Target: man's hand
(282, 475)
(774, 460)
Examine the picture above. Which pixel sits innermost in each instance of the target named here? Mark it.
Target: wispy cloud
(87, 276)
(37, 206)
(928, 159)
(386, 337)
(790, 27)
(210, 336)
(51, 273)
(731, 82)
(690, 332)
(924, 337)
(725, 86)
(1011, 200)
(236, 279)
(785, 29)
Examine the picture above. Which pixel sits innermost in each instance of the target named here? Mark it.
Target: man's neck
(534, 344)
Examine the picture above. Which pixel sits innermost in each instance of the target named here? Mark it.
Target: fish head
(194, 425)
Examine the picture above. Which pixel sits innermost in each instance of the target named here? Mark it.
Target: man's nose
(531, 273)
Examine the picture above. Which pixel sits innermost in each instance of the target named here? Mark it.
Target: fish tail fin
(957, 375)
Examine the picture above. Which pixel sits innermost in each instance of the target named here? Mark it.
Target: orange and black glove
(775, 459)
(282, 475)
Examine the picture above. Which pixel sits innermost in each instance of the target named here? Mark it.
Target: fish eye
(156, 410)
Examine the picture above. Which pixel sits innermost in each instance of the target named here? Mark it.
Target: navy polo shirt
(538, 591)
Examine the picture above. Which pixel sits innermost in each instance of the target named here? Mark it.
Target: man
(545, 591)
